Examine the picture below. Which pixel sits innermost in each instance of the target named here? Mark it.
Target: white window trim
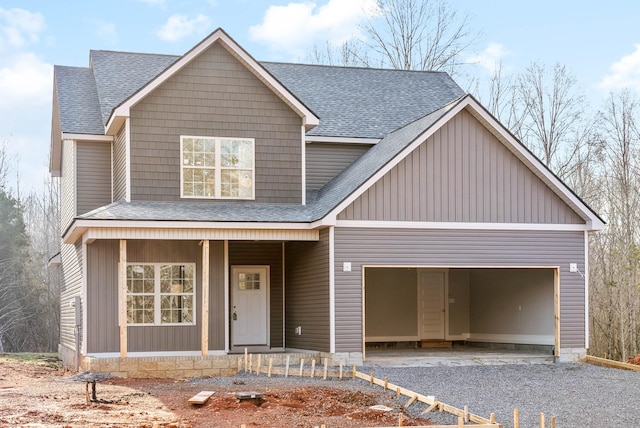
(218, 169)
(157, 295)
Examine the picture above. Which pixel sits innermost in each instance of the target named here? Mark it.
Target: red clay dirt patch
(635, 360)
(44, 396)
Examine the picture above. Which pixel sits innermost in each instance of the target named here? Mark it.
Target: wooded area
(594, 149)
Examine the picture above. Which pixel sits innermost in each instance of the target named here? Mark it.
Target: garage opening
(414, 307)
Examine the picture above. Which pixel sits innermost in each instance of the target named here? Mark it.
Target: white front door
(431, 311)
(250, 305)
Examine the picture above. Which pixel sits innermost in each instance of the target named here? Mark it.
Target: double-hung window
(217, 168)
(161, 294)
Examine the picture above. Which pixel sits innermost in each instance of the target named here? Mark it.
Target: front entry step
(436, 344)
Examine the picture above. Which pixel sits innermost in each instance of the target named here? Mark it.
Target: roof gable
(218, 36)
(591, 219)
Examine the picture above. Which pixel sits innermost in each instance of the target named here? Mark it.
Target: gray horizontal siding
(120, 165)
(94, 175)
(307, 293)
(455, 248)
(249, 253)
(215, 95)
(326, 160)
(68, 184)
(461, 174)
(71, 287)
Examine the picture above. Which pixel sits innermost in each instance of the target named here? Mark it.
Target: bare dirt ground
(43, 395)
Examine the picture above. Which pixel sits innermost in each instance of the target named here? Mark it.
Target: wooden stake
(466, 414)
(239, 364)
(301, 365)
(411, 401)
(340, 370)
(313, 368)
(270, 366)
(541, 420)
(250, 362)
(400, 419)
(353, 372)
(553, 422)
(516, 418)
(398, 392)
(246, 360)
(492, 418)
(259, 364)
(431, 407)
(386, 382)
(460, 421)
(286, 368)
(324, 376)
(371, 379)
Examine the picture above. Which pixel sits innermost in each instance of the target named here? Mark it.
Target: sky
(599, 43)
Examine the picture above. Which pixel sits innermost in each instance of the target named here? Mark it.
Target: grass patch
(39, 358)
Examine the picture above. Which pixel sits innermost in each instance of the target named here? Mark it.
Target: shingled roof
(351, 102)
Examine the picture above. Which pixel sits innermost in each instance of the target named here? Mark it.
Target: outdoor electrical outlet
(573, 267)
(299, 330)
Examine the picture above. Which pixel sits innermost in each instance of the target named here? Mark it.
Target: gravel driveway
(578, 395)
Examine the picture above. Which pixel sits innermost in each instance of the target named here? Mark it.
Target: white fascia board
(460, 225)
(309, 118)
(561, 189)
(344, 140)
(87, 137)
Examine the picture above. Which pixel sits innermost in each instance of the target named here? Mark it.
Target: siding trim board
(460, 225)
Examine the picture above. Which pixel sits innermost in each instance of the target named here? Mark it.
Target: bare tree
(419, 35)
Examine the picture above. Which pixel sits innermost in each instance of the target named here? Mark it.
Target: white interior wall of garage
(486, 305)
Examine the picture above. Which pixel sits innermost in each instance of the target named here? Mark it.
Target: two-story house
(212, 203)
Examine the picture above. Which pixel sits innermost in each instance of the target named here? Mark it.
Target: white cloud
(25, 80)
(490, 58)
(294, 28)
(19, 27)
(179, 26)
(624, 73)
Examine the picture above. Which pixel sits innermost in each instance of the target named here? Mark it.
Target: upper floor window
(217, 168)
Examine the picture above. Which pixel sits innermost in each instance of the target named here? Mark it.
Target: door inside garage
(506, 306)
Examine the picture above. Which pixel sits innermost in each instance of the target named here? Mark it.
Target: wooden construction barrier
(611, 363)
(465, 417)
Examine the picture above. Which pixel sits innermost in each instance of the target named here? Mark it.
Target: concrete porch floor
(458, 355)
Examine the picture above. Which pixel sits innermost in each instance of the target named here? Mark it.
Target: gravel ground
(578, 395)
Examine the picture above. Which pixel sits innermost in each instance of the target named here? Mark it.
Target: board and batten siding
(456, 248)
(215, 95)
(120, 165)
(68, 184)
(71, 286)
(324, 161)
(103, 333)
(269, 254)
(93, 175)
(462, 173)
(307, 293)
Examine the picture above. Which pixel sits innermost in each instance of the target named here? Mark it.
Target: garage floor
(456, 356)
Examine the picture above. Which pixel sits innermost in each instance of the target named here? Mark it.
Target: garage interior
(456, 311)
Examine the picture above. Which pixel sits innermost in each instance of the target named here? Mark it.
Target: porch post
(205, 298)
(122, 291)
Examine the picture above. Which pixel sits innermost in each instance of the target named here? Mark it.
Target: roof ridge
(354, 67)
(132, 53)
